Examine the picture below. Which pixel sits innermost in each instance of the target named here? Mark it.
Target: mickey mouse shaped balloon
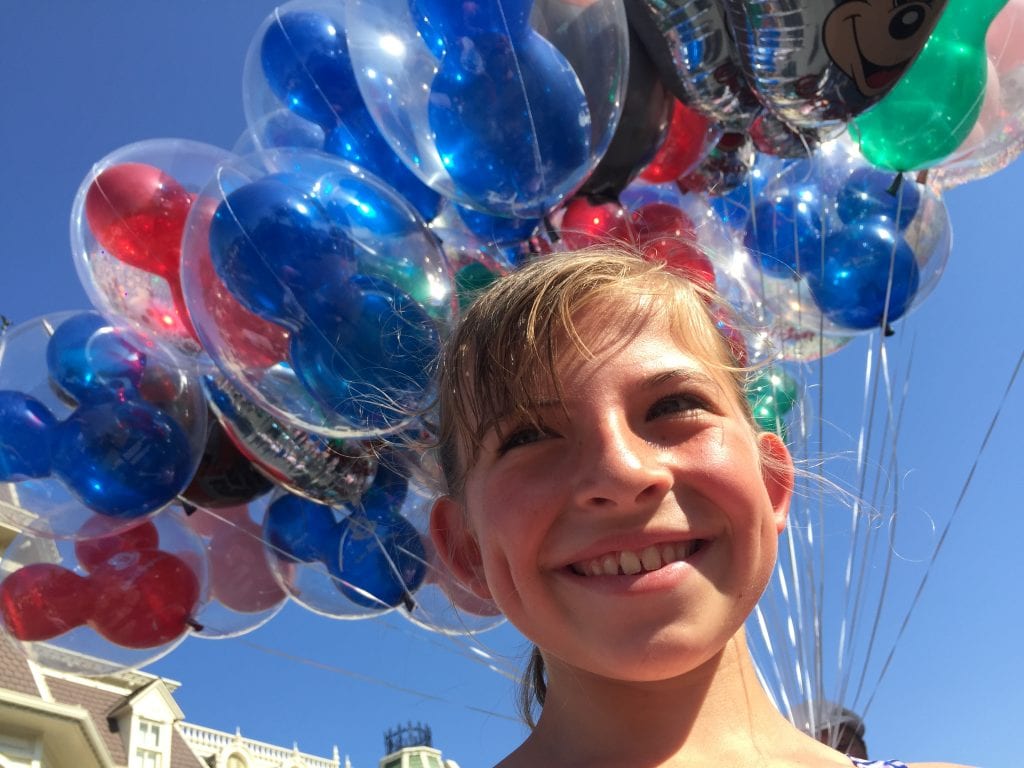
(504, 106)
(95, 420)
(332, 255)
(106, 601)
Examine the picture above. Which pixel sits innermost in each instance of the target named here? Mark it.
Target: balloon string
(882, 373)
(369, 679)
(946, 528)
(891, 473)
(863, 440)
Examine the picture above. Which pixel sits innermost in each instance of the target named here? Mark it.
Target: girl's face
(632, 531)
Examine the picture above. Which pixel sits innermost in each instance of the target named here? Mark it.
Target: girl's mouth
(630, 563)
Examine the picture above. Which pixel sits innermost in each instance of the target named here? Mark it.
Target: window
(147, 750)
(236, 761)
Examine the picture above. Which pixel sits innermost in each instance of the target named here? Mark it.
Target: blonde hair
(505, 348)
(504, 352)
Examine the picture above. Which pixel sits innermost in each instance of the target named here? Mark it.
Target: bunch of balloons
(242, 420)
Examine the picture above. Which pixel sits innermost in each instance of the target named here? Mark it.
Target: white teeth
(651, 559)
(668, 553)
(631, 563)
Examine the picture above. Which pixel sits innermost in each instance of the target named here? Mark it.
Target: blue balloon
(359, 141)
(421, 10)
(306, 62)
(367, 344)
(26, 430)
(496, 229)
(385, 497)
(869, 194)
(88, 359)
(367, 212)
(123, 459)
(274, 247)
(786, 230)
(382, 561)
(864, 264)
(302, 530)
(510, 117)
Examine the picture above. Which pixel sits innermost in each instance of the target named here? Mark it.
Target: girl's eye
(675, 404)
(523, 436)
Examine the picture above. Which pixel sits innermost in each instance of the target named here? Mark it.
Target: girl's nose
(619, 469)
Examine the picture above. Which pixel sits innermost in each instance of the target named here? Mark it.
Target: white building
(124, 720)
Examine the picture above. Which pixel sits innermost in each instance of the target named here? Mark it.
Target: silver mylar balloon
(328, 470)
(691, 44)
(817, 63)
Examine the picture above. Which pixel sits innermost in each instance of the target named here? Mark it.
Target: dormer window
(149, 738)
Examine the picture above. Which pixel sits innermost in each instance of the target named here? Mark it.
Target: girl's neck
(716, 715)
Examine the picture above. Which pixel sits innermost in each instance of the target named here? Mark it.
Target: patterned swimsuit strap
(877, 763)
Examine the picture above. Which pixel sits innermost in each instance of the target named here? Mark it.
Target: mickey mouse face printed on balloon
(341, 262)
(95, 419)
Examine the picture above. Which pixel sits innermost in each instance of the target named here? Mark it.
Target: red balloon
(93, 552)
(137, 213)
(586, 223)
(42, 600)
(665, 233)
(240, 577)
(143, 599)
(690, 137)
(255, 342)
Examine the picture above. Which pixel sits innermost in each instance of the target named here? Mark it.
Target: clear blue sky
(82, 79)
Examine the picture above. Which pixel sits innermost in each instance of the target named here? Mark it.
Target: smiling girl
(607, 488)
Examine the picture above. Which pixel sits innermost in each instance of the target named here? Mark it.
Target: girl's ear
(777, 471)
(456, 546)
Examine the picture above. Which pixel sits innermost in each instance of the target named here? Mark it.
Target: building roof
(14, 670)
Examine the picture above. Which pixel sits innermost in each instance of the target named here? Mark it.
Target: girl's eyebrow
(683, 375)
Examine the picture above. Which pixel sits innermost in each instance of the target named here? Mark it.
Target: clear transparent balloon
(442, 603)
(997, 139)
(816, 223)
(108, 432)
(318, 292)
(244, 592)
(499, 111)
(322, 469)
(278, 129)
(160, 562)
(127, 221)
(309, 579)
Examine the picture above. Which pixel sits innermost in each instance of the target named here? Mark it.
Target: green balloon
(470, 282)
(771, 394)
(933, 107)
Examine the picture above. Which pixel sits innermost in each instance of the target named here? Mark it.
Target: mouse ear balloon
(127, 222)
(330, 255)
(299, 59)
(98, 422)
(517, 109)
(932, 109)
